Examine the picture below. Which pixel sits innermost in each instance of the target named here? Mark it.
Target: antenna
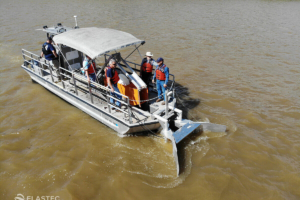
(76, 26)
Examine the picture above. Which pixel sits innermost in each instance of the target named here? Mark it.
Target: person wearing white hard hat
(146, 68)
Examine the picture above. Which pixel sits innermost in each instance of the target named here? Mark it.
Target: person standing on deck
(49, 52)
(146, 68)
(112, 82)
(162, 77)
(89, 68)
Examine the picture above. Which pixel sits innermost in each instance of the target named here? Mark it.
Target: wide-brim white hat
(149, 54)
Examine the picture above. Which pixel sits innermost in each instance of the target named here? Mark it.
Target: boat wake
(162, 178)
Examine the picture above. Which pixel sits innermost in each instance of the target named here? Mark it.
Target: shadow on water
(184, 101)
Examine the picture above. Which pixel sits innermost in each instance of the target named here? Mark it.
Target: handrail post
(90, 90)
(129, 111)
(40, 66)
(74, 81)
(173, 93)
(167, 102)
(50, 70)
(23, 54)
(108, 102)
(32, 67)
(60, 76)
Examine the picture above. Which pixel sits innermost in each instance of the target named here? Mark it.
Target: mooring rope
(146, 100)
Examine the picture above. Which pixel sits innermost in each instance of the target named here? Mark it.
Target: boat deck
(100, 100)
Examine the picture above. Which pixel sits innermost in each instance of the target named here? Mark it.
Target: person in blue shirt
(49, 52)
(162, 77)
(112, 78)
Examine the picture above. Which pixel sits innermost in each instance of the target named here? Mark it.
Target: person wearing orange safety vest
(112, 78)
(89, 68)
(162, 77)
(146, 68)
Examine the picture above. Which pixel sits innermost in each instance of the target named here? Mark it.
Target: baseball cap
(159, 59)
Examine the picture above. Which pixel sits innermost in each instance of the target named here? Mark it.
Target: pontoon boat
(139, 112)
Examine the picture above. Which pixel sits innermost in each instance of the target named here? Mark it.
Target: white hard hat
(149, 54)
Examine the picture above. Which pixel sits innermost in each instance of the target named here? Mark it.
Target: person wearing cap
(146, 68)
(49, 52)
(89, 68)
(162, 77)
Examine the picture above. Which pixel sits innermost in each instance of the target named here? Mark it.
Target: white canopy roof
(96, 41)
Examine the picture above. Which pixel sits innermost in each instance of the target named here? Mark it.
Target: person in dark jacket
(49, 52)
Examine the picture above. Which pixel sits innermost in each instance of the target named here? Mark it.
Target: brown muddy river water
(240, 64)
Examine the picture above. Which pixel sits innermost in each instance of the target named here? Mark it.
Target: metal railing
(73, 78)
(98, 89)
(35, 60)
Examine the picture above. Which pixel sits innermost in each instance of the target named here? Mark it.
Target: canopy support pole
(139, 53)
(134, 51)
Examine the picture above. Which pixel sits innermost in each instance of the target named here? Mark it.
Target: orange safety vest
(160, 74)
(91, 69)
(115, 77)
(147, 67)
